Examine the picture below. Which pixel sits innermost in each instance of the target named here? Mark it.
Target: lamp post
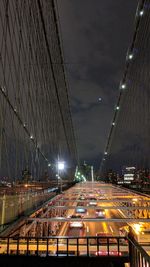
(60, 167)
(92, 175)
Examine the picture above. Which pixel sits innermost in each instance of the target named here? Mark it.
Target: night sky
(96, 36)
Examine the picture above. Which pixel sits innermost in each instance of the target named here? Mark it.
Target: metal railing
(65, 246)
(126, 248)
(138, 257)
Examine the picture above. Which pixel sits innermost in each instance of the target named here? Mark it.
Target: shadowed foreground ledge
(23, 261)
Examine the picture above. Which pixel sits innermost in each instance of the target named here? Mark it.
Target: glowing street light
(141, 13)
(60, 167)
(123, 86)
(130, 56)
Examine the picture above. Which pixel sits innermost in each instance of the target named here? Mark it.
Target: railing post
(67, 246)
(130, 235)
(18, 246)
(87, 246)
(77, 247)
(47, 242)
(27, 246)
(7, 245)
(130, 254)
(139, 259)
(97, 246)
(108, 245)
(118, 246)
(57, 246)
(37, 246)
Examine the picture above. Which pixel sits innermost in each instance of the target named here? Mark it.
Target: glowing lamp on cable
(123, 86)
(130, 56)
(31, 137)
(61, 165)
(113, 123)
(105, 153)
(141, 13)
(117, 107)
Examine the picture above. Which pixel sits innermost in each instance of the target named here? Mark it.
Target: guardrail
(138, 257)
(126, 248)
(65, 246)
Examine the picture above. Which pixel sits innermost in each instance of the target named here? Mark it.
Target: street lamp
(60, 167)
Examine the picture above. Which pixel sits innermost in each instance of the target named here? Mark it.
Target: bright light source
(134, 199)
(93, 203)
(130, 56)
(105, 153)
(76, 224)
(137, 227)
(61, 165)
(24, 125)
(49, 164)
(123, 86)
(81, 210)
(113, 123)
(31, 136)
(117, 107)
(99, 99)
(141, 13)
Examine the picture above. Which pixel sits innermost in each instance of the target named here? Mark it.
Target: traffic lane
(76, 231)
(65, 229)
(95, 227)
(91, 228)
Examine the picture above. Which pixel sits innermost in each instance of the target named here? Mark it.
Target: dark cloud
(96, 35)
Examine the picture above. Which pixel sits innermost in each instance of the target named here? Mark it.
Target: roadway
(100, 192)
(90, 228)
(114, 201)
(80, 195)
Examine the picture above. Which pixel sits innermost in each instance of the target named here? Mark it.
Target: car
(80, 204)
(76, 216)
(100, 213)
(82, 198)
(105, 253)
(76, 225)
(92, 201)
(80, 210)
(91, 198)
